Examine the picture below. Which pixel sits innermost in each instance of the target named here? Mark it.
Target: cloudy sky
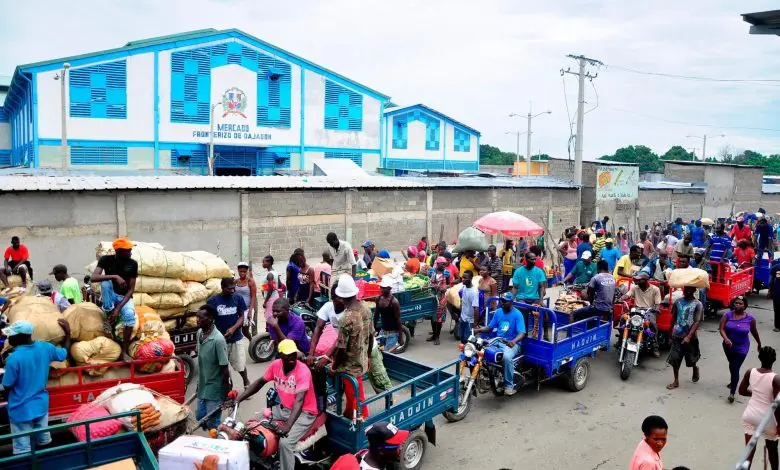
(479, 61)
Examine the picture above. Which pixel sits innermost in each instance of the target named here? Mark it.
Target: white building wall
(222, 79)
(415, 148)
(310, 158)
(5, 136)
(471, 156)
(314, 120)
(139, 125)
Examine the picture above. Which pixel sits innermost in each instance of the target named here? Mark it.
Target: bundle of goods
(173, 283)
(97, 351)
(148, 324)
(416, 281)
(85, 320)
(693, 277)
(471, 239)
(152, 348)
(569, 303)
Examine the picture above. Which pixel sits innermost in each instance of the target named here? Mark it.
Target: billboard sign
(617, 182)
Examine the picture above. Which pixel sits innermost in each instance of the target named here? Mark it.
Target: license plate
(631, 347)
(184, 338)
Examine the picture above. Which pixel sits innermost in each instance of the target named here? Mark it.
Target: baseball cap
(59, 268)
(586, 255)
(242, 264)
(44, 287)
(21, 327)
(507, 296)
(385, 433)
(384, 254)
(122, 243)
(367, 243)
(287, 346)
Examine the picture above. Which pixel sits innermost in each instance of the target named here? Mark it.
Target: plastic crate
(367, 291)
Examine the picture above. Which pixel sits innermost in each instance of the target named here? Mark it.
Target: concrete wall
(771, 202)
(660, 205)
(66, 227)
(730, 189)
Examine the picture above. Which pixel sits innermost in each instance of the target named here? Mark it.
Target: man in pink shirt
(298, 406)
(647, 455)
(325, 266)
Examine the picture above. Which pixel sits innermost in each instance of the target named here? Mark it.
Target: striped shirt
(719, 245)
(598, 245)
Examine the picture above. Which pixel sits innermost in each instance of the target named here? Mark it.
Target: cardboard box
(184, 452)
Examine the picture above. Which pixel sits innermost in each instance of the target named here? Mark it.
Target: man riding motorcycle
(646, 296)
(509, 325)
(297, 409)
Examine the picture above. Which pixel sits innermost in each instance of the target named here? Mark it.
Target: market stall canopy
(508, 224)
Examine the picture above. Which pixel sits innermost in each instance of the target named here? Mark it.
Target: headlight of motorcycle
(469, 350)
(636, 321)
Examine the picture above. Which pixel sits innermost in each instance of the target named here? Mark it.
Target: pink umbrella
(509, 224)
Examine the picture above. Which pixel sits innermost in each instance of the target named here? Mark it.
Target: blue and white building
(420, 138)
(157, 104)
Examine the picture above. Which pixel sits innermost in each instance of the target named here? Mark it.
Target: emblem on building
(234, 102)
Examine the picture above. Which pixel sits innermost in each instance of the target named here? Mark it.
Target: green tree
(643, 155)
(489, 155)
(678, 153)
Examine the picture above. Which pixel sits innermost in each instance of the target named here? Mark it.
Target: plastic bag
(85, 320)
(98, 429)
(327, 343)
(471, 239)
(151, 349)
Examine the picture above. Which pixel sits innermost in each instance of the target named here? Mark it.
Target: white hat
(346, 287)
(586, 255)
(387, 281)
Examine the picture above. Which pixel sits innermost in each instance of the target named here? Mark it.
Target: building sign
(233, 132)
(617, 182)
(234, 103)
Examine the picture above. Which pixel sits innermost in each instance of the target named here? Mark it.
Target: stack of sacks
(43, 314)
(170, 282)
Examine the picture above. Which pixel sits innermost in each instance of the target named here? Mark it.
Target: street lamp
(211, 139)
(529, 117)
(704, 143)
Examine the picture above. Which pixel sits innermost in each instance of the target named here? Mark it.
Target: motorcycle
(262, 347)
(475, 380)
(262, 437)
(637, 338)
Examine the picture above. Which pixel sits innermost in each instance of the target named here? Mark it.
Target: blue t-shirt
(720, 246)
(229, 310)
(697, 237)
(26, 373)
(582, 248)
(611, 256)
(527, 282)
(677, 230)
(507, 325)
(764, 233)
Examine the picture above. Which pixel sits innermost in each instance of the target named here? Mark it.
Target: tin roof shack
(608, 188)
(730, 188)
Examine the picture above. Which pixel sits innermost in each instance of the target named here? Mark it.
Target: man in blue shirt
(698, 236)
(763, 237)
(677, 228)
(230, 318)
(584, 245)
(529, 283)
(26, 374)
(508, 323)
(719, 249)
(610, 254)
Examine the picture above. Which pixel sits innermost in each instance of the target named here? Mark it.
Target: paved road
(598, 427)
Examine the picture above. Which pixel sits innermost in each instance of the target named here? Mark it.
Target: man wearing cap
(45, 289)
(509, 324)
(718, 249)
(356, 338)
(117, 274)
(69, 287)
(644, 294)
(17, 260)
(601, 294)
(384, 446)
(343, 258)
(368, 253)
(583, 271)
(610, 254)
(25, 378)
(741, 231)
(389, 312)
(297, 408)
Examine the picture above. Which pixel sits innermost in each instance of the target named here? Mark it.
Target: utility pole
(704, 143)
(581, 76)
(528, 133)
(517, 153)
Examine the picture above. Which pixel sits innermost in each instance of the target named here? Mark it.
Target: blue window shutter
(98, 155)
(274, 96)
(462, 141)
(356, 157)
(99, 91)
(191, 86)
(399, 132)
(343, 108)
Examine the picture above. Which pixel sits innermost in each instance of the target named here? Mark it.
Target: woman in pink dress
(762, 386)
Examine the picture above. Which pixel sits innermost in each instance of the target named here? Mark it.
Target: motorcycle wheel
(577, 376)
(464, 406)
(190, 368)
(413, 450)
(407, 337)
(261, 348)
(496, 381)
(627, 365)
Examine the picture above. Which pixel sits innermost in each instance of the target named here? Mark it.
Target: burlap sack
(85, 320)
(155, 285)
(194, 292)
(168, 313)
(214, 285)
(152, 259)
(205, 266)
(159, 301)
(97, 351)
(693, 277)
(41, 312)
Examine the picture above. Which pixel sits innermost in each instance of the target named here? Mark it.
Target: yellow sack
(159, 301)
(112, 373)
(152, 259)
(97, 351)
(168, 313)
(194, 307)
(453, 295)
(214, 285)
(143, 315)
(192, 322)
(41, 312)
(194, 292)
(85, 320)
(155, 285)
(170, 325)
(692, 277)
(14, 281)
(202, 265)
(56, 368)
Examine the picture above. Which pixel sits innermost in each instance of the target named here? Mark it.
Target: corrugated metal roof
(673, 185)
(495, 182)
(768, 188)
(108, 183)
(689, 163)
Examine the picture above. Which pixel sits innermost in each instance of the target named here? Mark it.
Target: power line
(671, 121)
(753, 81)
